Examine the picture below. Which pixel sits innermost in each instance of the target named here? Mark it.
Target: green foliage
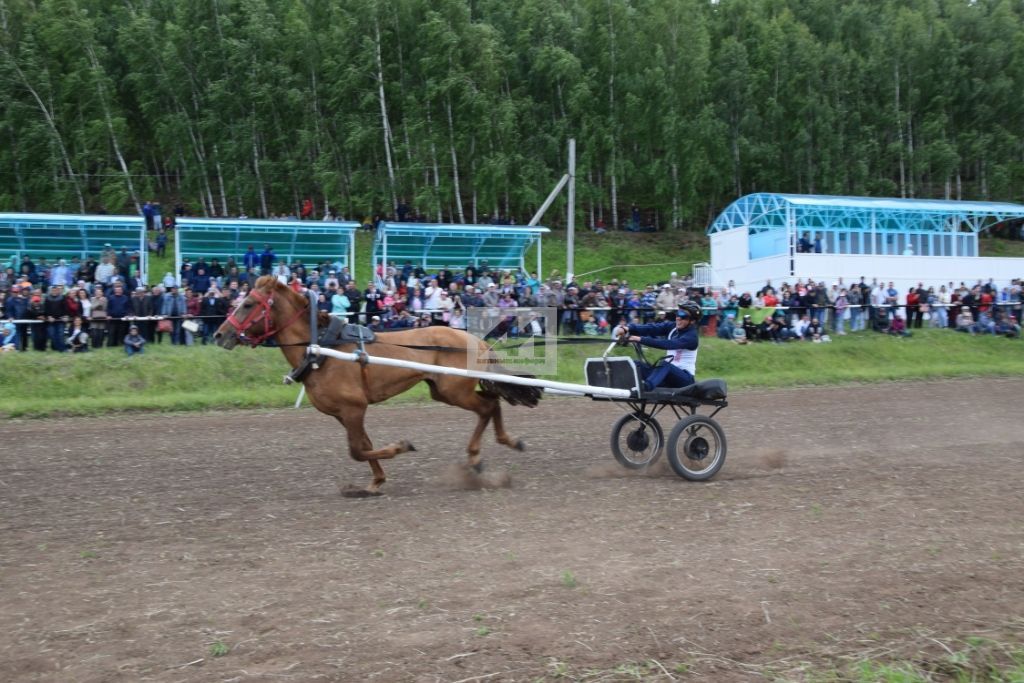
(464, 108)
(219, 649)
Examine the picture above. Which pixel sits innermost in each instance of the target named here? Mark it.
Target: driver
(679, 338)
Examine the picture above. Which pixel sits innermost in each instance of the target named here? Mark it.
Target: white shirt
(104, 272)
(684, 359)
(431, 298)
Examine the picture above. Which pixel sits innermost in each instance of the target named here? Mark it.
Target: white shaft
(476, 374)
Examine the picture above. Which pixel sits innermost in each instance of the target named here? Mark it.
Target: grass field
(206, 378)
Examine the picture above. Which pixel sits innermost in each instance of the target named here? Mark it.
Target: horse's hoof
(478, 468)
(408, 446)
(519, 446)
(360, 493)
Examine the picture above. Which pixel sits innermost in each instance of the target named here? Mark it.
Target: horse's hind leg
(501, 434)
(448, 390)
(459, 392)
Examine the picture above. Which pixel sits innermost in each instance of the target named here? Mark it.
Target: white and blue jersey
(680, 344)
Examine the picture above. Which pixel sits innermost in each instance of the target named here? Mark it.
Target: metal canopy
(50, 236)
(293, 241)
(764, 212)
(436, 245)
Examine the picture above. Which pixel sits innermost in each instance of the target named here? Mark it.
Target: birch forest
(462, 109)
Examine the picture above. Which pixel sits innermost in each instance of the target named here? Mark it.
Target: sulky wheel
(637, 440)
(696, 448)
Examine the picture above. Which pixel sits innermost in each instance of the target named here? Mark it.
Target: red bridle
(258, 313)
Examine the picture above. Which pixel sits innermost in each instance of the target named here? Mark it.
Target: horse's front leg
(361, 449)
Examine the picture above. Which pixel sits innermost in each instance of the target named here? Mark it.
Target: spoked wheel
(696, 448)
(637, 440)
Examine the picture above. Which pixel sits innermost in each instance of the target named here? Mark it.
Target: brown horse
(344, 389)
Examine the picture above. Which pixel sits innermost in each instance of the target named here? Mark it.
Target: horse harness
(335, 334)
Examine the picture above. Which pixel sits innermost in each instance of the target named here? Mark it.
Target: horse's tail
(514, 394)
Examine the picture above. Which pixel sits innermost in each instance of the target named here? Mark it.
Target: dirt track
(866, 521)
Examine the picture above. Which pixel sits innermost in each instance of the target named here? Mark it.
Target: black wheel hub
(697, 448)
(638, 440)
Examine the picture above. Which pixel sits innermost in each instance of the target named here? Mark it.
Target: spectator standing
(374, 300)
(118, 308)
(803, 245)
(147, 213)
(212, 309)
(267, 259)
(250, 259)
(60, 274)
(841, 304)
(855, 303)
(201, 280)
(878, 311)
(431, 295)
(340, 303)
(173, 306)
(192, 306)
(821, 304)
(55, 311)
(98, 315)
(355, 301)
(36, 311)
(105, 271)
(666, 300)
(17, 309)
(142, 307)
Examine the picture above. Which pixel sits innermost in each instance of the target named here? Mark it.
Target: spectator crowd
(101, 302)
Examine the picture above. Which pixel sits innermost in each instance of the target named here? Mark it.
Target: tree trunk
(220, 182)
(611, 114)
(590, 196)
(455, 162)
(615, 194)
(899, 132)
(384, 115)
(912, 189)
(256, 168)
(676, 218)
(437, 173)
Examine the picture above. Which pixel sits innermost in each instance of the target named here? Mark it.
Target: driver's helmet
(689, 309)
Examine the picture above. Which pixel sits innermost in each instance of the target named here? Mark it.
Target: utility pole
(570, 266)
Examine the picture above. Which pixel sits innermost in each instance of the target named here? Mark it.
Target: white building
(763, 237)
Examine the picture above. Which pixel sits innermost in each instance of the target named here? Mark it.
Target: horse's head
(259, 316)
